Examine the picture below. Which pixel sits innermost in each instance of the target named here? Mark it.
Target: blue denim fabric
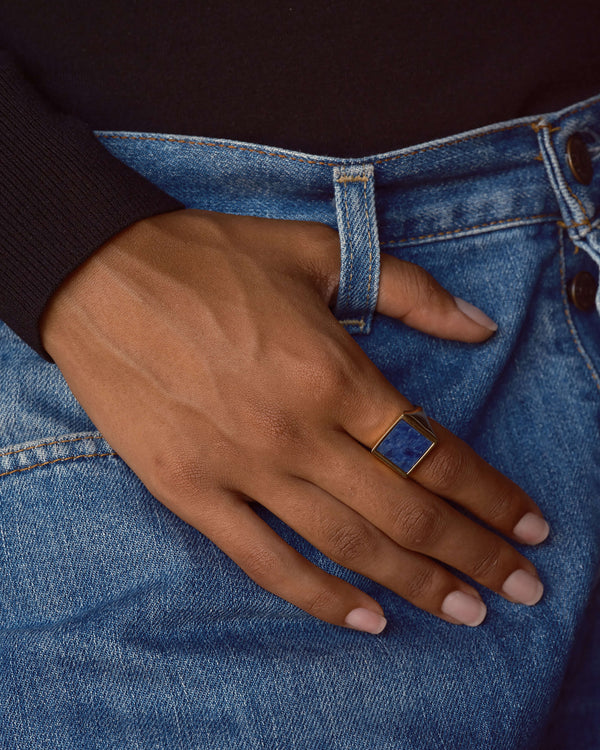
(121, 626)
(359, 244)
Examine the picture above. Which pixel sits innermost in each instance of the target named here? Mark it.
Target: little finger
(275, 566)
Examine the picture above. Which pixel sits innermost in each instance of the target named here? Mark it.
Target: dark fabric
(341, 78)
(337, 78)
(63, 196)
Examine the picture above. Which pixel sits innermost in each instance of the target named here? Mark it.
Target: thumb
(410, 294)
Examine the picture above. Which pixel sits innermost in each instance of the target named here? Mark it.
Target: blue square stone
(404, 445)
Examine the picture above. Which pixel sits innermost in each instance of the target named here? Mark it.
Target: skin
(203, 347)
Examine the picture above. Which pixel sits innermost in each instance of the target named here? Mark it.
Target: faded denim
(122, 627)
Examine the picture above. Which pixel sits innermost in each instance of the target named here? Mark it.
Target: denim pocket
(25, 457)
(35, 401)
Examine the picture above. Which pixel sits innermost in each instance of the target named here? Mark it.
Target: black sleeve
(63, 196)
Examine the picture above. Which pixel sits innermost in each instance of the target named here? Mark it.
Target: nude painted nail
(474, 313)
(531, 529)
(523, 587)
(465, 608)
(365, 620)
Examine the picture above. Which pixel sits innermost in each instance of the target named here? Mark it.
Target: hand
(203, 348)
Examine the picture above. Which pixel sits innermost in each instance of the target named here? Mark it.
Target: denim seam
(541, 124)
(438, 146)
(368, 220)
(264, 152)
(572, 112)
(580, 109)
(210, 144)
(350, 240)
(568, 316)
(449, 232)
(54, 442)
(334, 163)
(582, 235)
(587, 221)
(544, 131)
(57, 460)
(352, 322)
(344, 179)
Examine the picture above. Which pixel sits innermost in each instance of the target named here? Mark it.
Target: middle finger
(421, 521)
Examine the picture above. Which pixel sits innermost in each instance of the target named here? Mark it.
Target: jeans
(123, 627)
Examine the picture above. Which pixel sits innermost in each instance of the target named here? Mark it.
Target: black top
(343, 78)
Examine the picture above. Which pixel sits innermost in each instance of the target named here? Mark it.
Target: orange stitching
(220, 145)
(231, 146)
(353, 179)
(450, 143)
(542, 124)
(370, 243)
(550, 130)
(55, 442)
(211, 144)
(575, 224)
(585, 223)
(360, 323)
(570, 324)
(580, 109)
(468, 229)
(56, 460)
(350, 241)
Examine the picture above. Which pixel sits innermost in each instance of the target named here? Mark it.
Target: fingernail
(531, 529)
(523, 587)
(474, 313)
(464, 608)
(365, 620)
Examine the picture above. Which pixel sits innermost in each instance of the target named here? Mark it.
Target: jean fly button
(579, 160)
(582, 291)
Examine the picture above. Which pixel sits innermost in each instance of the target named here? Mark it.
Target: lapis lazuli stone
(404, 446)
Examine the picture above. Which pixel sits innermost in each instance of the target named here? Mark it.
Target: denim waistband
(511, 173)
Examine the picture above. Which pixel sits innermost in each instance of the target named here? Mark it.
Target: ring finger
(350, 540)
(419, 520)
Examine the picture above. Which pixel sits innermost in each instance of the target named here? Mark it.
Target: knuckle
(446, 469)
(349, 543)
(281, 430)
(321, 603)
(501, 509)
(332, 373)
(420, 526)
(487, 565)
(426, 289)
(180, 475)
(420, 585)
(261, 564)
(421, 287)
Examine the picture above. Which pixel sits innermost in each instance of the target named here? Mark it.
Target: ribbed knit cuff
(62, 197)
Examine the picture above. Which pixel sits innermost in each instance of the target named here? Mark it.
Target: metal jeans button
(579, 160)
(582, 291)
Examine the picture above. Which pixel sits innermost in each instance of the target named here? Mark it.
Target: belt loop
(357, 225)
